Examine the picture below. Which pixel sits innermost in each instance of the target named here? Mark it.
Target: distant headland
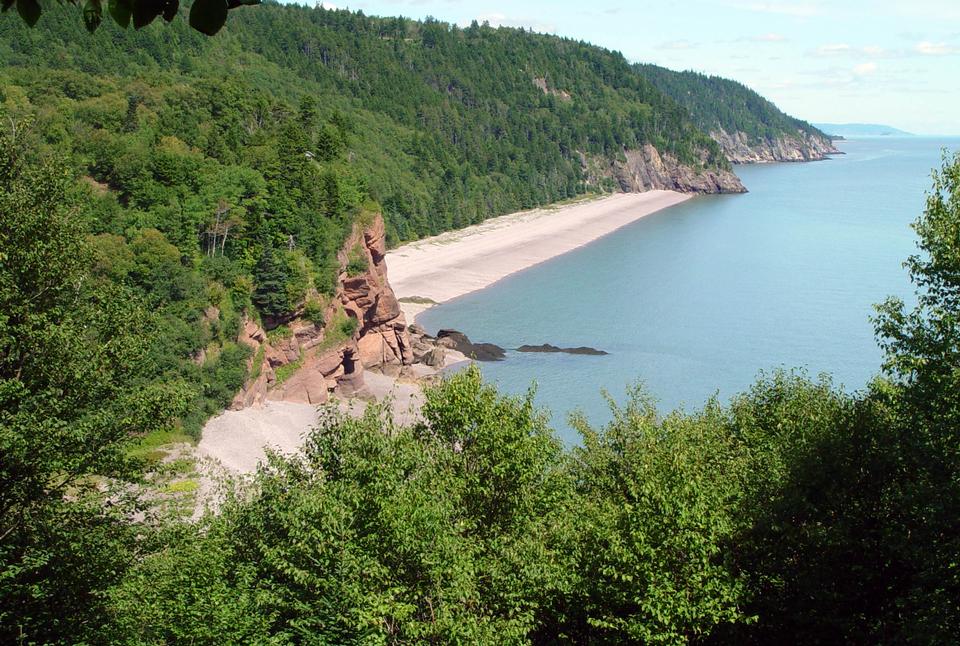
(861, 130)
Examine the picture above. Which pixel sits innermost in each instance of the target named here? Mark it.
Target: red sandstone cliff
(317, 360)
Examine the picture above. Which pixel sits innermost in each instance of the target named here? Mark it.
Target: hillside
(452, 125)
(220, 178)
(861, 130)
(748, 127)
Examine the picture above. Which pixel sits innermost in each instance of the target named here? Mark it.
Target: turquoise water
(697, 299)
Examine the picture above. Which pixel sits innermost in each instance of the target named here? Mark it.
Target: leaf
(145, 12)
(121, 10)
(208, 16)
(170, 10)
(92, 15)
(29, 10)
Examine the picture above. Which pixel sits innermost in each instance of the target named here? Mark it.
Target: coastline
(440, 268)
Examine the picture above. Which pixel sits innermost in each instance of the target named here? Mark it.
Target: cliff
(645, 169)
(749, 128)
(362, 329)
(740, 148)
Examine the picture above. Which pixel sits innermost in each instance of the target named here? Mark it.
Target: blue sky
(883, 61)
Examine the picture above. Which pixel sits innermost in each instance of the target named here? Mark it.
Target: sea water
(696, 300)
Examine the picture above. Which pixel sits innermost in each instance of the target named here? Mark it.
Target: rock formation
(646, 169)
(310, 362)
(548, 348)
(739, 148)
(382, 338)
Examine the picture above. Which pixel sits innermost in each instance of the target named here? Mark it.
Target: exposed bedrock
(740, 148)
(645, 169)
(311, 362)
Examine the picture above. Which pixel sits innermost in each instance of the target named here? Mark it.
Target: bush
(357, 261)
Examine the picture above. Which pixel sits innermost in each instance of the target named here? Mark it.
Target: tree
(71, 395)
(271, 278)
(657, 507)
(206, 16)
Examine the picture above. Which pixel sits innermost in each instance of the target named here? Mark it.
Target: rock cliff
(645, 169)
(364, 330)
(739, 148)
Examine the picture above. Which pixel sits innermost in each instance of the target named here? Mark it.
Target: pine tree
(271, 277)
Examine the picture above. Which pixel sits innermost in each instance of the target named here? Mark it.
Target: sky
(894, 62)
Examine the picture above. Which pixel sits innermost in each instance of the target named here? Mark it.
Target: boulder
(434, 358)
(478, 351)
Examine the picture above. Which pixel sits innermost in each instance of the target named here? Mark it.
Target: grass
(148, 447)
(257, 363)
(340, 328)
(284, 372)
(182, 486)
(279, 334)
(356, 261)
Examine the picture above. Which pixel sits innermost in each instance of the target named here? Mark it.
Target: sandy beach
(455, 263)
(430, 271)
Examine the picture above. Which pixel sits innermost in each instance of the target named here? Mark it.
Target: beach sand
(430, 271)
(438, 269)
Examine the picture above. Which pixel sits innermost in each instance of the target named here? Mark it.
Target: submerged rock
(546, 347)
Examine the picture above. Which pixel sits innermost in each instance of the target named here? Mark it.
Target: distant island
(861, 130)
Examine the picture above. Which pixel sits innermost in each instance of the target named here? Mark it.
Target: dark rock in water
(546, 347)
(478, 351)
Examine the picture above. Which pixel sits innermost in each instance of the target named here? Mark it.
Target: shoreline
(440, 268)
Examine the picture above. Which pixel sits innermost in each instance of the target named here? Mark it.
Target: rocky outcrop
(739, 148)
(645, 169)
(382, 338)
(310, 362)
(546, 347)
(477, 351)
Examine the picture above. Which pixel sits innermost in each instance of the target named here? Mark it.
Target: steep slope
(451, 125)
(748, 127)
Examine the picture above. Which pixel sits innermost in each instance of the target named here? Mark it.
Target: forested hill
(446, 126)
(217, 178)
(748, 127)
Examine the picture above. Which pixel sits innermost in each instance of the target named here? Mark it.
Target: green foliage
(287, 370)
(314, 310)
(441, 126)
(271, 276)
(357, 261)
(206, 16)
(657, 509)
(717, 103)
(354, 544)
(72, 391)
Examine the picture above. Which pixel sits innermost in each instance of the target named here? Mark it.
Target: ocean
(698, 299)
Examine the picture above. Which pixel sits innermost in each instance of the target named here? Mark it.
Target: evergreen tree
(271, 278)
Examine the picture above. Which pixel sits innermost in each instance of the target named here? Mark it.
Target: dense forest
(150, 179)
(718, 103)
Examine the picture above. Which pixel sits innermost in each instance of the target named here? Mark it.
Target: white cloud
(797, 9)
(935, 49)
(834, 49)
(328, 6)
(864, 69)
(676, 44)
